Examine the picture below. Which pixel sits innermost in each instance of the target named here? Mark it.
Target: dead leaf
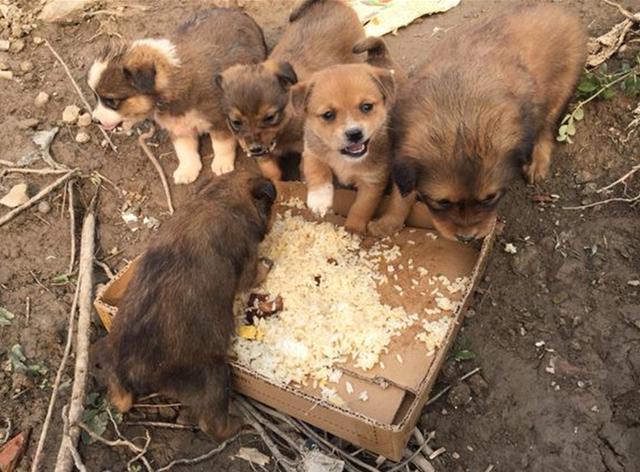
(252, 455)
(16, 196)
(12, 451)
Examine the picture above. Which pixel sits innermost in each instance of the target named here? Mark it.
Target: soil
(555, 328)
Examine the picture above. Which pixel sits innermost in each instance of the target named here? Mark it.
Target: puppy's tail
(302, 8)
(377, 52)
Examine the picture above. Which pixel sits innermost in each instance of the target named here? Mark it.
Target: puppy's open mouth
(356, 150)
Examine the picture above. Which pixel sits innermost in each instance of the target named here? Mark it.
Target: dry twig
(79, 91)
(45, 171)
(142, 141)
(106, 268)
(72, 227)
(633, 200)
(633, 170)
(66, 441)
(85, 282)
(37, 197)
(626, 13)
(202, 458)
(448, 387)
(160, 424)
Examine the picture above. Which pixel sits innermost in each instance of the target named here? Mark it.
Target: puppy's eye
(112, 103)
(271, 119)
(235, 124)
(442, 204)
(491, 199)
(329, 115)
(366, 107)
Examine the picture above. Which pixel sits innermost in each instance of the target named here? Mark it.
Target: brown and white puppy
(169, 80)
(320, 33)
(175, 320)
(483, 106)
(346, 109)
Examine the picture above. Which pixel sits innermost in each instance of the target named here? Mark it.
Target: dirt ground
(555, 328)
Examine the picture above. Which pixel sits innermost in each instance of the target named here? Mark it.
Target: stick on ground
(37, 197)
(64, 461)
(72, 227)
(142, 141)
(79, 91)
(198, 459)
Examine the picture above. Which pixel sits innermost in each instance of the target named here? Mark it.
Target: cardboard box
(396, 393)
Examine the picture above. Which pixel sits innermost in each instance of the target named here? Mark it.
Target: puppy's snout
(257, 149)
(354, 135)
(465, 238)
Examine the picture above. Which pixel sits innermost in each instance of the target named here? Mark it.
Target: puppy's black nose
(354, 135)
(465, 239)
(256, 149)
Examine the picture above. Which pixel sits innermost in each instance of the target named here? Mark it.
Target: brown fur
(321, 33)
(175, 321)
(343, 91)
(484, 105)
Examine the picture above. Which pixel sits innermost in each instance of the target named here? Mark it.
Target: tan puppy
(175, 320)
(346, 109)
(170, 80)
(483, 106)
(320, 33)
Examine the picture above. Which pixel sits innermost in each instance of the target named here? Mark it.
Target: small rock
(4, 44)
(510, 248)
(29, 123)
(26, 66)
(70, 114)
(17, 46)
(41, 99)
(4, 66)
(633, 283)
(58, 10)
(44, 207)
(459, 395)
(583, 177)
(560, 298)
(37, 40)
(6, 74)
(82, 137)
(16, 196)
(527, 262)
(590, 188)
(478, 385)
(84, 120)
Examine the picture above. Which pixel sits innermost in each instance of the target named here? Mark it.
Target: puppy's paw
(221, 166)
(221, 431)
(320, 199)
(356, 226)
(535, 172)
(383, 227)
(187, 172)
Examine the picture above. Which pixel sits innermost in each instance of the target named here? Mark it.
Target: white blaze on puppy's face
(164, 46)
(107, 117)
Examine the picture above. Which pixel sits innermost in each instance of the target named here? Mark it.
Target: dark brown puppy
(169, 80)
(320, 33)
(484, 106)
(175, 321)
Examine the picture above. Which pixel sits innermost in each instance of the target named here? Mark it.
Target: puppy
(169, 80)
(346, 109)
(483, 106)
(320, 33)
(175, 320)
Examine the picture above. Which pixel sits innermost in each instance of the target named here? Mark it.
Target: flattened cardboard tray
(399, 387)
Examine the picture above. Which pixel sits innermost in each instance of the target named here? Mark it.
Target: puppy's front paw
(320, 199)
(356, 226)
(187, 172)
(221, 166)
(535, 172)
(383, 227)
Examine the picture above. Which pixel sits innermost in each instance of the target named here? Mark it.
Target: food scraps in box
(319, 306)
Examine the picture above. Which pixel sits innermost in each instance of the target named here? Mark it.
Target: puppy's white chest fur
(190, 124)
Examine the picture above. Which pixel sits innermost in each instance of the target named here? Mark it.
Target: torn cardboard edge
(385, 438)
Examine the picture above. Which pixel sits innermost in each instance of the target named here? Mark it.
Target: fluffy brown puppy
(483, 106)
(169, 80)
(320, 33)
(346, 108)
(175, 320)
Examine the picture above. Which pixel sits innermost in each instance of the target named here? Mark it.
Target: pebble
(459, 395)
(37, 40)
(26, 66)
(70, 114)
(82, 137)
(4, 66)
(41, 99)
(84, 120)
(17, 46)
(44, 207)
(4, 44)
(6, 74)
(29, 123)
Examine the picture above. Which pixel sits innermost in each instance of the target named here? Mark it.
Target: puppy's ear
(404, 172)
(386, 82)
(143, 78)
(377, 52)
(284, 72)
(263, 190)
(218, 80)
(300, 94)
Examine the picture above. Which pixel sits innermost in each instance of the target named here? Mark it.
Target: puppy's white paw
(187, 173)
(222, 166)
(320, 199)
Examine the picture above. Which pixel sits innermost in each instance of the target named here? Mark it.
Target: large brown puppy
(175, 321)
(320, 33)
(484, 105)
(170, 80)
(346, 109)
